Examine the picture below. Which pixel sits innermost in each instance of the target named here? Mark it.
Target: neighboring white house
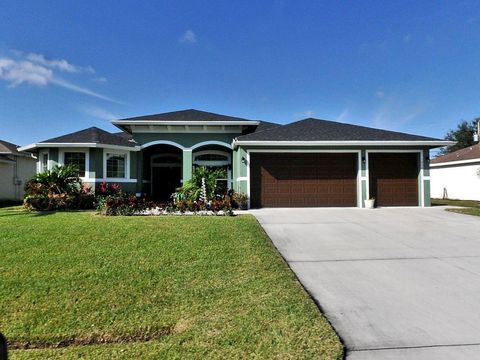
(16, 167)
(456, 175)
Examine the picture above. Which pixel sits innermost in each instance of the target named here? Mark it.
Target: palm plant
(60, 179)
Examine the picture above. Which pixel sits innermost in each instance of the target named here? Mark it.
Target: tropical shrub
(203, 179)
(58, 189)
(240, 200)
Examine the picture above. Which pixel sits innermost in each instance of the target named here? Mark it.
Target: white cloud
(35, 69)
(18, 72)
(100, 79)
(62, 65)
(99, 113)
(380, 94)
(79, 89)
(396, 114)
(309, 113)
(343, 116)
(188, 37)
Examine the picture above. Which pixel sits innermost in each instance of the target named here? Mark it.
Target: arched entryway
(162, 171)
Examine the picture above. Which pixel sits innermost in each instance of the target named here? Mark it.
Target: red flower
(102, 188)
(115, 188)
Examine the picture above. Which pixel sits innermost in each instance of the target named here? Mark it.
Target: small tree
(463, 135)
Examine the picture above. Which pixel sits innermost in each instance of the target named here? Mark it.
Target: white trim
(338, 151)
(345, 143)
(119, 180)
(163, 142)
(345, 151)
(127, 165)
(61, 159)
(211, 142)
(198, 123)
(458, 162)
(78, 145)
(242, 178)
(248, 177)
(359, 181)
(421, 187)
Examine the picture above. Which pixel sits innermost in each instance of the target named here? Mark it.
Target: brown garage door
(394, 178)
(303, 180)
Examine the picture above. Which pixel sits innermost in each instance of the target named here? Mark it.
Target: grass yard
(468, 207)
(79, 285)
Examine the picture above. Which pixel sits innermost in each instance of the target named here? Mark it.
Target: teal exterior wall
(184, 139)
(53, 156)
(133, 165)
(96, 163)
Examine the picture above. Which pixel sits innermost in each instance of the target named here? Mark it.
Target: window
(77, 159)
(211, 157)
(116, 165)
(44, 162)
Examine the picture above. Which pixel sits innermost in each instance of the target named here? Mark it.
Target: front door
(165, 180)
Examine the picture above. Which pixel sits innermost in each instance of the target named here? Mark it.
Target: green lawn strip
(463, 203)
(468, 207)
(466, 211)
(152, 287)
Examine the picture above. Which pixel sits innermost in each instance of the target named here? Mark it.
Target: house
(457, 175)
(306, 163)
(16, 167)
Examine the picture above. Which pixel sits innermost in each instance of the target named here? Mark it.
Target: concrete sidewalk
(398, 283)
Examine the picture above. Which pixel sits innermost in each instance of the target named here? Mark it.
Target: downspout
(15, 179)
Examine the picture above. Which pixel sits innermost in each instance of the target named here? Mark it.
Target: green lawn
(469, 207)
(80, 285)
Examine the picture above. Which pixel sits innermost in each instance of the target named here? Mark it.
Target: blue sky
(402, 65)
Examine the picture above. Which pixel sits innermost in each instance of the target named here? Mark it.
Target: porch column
(139, 188)
(187, 165)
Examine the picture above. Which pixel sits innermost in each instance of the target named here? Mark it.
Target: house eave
(166, 122)
(432, 143)
(77, 145)
(455, 162)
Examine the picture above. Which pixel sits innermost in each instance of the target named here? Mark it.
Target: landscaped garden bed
(61, 189)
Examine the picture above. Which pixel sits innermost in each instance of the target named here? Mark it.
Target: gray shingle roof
(11, 149)
(92, 135)
(468, 153)
(6, 147)
(323, 130)
(186, 115)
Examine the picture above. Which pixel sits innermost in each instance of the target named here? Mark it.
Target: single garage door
(303, 180)
(394, 178)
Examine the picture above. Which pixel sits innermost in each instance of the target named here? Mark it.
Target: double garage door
(330, 179)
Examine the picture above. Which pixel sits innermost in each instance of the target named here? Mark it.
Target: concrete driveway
(396, 283)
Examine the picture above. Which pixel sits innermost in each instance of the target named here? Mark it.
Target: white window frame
(61, 160)
(40, 161)
(216, 163)
(127, 165)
